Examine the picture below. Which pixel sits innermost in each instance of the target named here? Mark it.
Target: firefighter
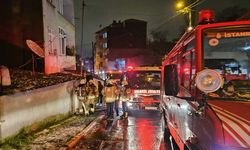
(100, 93)
(227, 91)
(110, 91)
(92, 95)
(81, 91)
(116, 103)
(124, 97)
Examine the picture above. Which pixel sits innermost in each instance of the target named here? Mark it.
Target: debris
(24, 80)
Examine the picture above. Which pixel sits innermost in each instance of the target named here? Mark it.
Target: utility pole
(188, 11)
(182, 8)
(83, 5)
(190, 18)
(93, 56)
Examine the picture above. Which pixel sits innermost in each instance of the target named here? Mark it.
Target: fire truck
(145, 85)
(205, 87)
(144, 82)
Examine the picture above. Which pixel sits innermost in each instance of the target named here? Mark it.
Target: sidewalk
(58, 136)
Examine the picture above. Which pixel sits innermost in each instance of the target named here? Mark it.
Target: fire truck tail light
(208, 80)
(186, 70)
(129, 68)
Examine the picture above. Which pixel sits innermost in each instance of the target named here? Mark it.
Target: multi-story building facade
(49, 23)
(118, 42)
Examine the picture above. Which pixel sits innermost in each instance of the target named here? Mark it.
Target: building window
(51, 46)
(62, 41)
(104, 35)
(104, 45)
(61, 6)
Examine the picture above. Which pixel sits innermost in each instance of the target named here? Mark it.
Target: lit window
(62, 41)
(104, 35)
(61, 6)
(104, 45)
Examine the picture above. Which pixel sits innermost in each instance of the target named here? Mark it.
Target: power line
(197, 2)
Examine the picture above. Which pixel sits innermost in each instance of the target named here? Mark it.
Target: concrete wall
(59, 63)
(22, 109)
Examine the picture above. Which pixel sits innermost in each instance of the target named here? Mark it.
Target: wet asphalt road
(140, 131)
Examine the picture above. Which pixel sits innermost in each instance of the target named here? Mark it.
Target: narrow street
(179, 69)
(141, 130)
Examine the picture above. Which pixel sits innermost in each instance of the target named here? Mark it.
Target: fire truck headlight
(136, 95)
(129, 104)
(208, 80)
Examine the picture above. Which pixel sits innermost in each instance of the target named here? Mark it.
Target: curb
(72, 143)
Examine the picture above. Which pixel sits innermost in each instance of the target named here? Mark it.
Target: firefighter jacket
(125, 94)
(81, 91)
(110, 93)
(92, 91)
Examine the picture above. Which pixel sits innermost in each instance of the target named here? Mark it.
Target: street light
(180, 5)
(182, 8)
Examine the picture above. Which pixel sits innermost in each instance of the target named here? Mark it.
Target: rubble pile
(23, 80)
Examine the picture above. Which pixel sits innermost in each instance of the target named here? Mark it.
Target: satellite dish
(35, 48)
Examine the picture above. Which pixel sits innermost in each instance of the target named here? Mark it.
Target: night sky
(159, 14)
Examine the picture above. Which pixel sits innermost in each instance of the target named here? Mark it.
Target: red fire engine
(144, 82)
(145, 85)
(205, 87)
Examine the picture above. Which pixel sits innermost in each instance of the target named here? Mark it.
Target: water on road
(140, 131)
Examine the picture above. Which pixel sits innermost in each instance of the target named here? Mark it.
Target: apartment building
(118, 42)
